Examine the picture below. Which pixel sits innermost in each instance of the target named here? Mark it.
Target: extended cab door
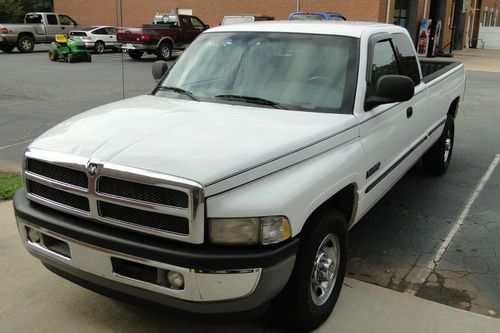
(387, 131)
(51, 26)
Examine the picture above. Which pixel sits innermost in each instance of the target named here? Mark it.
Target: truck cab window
(51, 19)
(407, 57)
(197, 23)
(33, 18)
(65, 20)
(383, 63)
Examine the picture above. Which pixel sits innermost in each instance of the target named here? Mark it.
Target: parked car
(174, 33)
(316, 16)
(97, 38)
(235, 182)
(236, 19)
(37, 28)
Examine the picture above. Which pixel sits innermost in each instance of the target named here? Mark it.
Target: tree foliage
(12, 11)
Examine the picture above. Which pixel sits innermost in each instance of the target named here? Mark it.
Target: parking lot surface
(426, 237)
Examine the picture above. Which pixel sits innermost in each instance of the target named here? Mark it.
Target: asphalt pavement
(426, 237)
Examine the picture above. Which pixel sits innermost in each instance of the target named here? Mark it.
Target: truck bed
(432, 69)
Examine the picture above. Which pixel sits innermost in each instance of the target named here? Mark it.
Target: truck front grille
(143, 218)
(58, 196)
(129, 198)
(142, 192)
(55, 172)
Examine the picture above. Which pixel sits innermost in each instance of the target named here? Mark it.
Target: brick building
(403, 12)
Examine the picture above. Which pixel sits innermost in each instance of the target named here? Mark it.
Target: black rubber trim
(435, 128)
(202, 256)
(447, 68)
(395, 165)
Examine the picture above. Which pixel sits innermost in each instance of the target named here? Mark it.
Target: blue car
(317, 16)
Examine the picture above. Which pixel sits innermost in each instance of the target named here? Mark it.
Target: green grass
(9, 183)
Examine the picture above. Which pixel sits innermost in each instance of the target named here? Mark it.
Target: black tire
(99, 47)
(437, 159)
(25, 44)
(71, 58)
(52, 55)
(88, 58)
(164, 51)
(134, 54)
(295, 305)
(7, 48)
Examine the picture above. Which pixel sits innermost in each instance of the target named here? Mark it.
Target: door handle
(62, 28)
(409, 112)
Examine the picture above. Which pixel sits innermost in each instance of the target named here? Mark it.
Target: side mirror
(160, 67)
(206, 26)
(390, 89)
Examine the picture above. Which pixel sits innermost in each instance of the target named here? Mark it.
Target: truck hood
(217, 145)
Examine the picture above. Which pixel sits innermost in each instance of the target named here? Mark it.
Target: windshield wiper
(253, 100)
(179, 91)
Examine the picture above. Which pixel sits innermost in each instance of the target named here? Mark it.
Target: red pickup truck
(173, 32)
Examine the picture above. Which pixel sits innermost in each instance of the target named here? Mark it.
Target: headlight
(249, 231)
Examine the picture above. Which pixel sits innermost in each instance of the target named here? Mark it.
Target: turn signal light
(4, 31)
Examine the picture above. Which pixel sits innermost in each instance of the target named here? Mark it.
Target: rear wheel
(99, 47)
(71, 58)
(437, 159)
(311, 294)
(164, 51)
(52, 55)
(7, 48)
(134, 54)
(25, 44)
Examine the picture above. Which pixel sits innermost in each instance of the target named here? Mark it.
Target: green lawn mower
(70, 50)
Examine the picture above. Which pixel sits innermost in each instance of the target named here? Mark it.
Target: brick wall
(135, 13)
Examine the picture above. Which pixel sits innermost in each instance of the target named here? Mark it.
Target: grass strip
(9, 183)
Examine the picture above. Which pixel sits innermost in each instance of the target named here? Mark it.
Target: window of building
(401, 12)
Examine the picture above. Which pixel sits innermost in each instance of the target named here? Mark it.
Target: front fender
(296, 191)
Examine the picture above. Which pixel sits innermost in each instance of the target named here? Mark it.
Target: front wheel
(52, 55)
(437, 159)
(71, 58)
(313, 290)
(164, 51)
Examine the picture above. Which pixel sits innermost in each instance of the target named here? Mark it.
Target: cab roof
(342, 28)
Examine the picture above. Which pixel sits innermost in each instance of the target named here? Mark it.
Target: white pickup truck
(234, 184)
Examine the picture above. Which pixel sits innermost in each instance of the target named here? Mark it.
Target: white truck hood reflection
(206, 142)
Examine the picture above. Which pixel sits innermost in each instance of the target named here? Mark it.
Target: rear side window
(407, 57)
(101, 31)
(111, 31)
(33, 18)
(383, 63)
(77, 33)
(51, 19)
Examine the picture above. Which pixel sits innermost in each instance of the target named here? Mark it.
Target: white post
(425, 9)
(298, 6)
(388, 11)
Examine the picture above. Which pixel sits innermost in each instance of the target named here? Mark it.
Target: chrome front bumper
(198, 286)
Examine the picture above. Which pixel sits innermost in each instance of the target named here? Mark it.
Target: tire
(437, 159)
(52, 55)
(99, 47)
(134, 54)
(71, 58)
(88, 58)
(164, 51)
(7, 48)
(25, 44)
(300, 305)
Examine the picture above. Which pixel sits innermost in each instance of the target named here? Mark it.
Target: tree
(11, 11)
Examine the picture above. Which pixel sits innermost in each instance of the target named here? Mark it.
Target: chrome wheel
(325, 269)
(26, 44)
(447, 146)
(99, 47)
(165, 52)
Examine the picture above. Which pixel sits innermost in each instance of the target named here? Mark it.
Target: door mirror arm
(390, 89)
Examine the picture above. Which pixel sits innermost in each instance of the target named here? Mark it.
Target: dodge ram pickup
(234, 183)
(37, 28)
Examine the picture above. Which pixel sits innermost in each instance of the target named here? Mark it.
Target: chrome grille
(144, 218)
(130, 198)
(142, 192)
(64, 198)
(55, 172)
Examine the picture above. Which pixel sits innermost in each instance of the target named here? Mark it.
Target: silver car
(97, 38)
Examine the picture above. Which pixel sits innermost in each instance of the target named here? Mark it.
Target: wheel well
(344, 201)
(452, 111)
(166, 40)
(29, 34)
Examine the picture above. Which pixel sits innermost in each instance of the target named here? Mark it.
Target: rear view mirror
(391, 89)
(160, 67)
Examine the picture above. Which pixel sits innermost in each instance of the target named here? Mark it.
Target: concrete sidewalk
(34, 300)
(478, 59)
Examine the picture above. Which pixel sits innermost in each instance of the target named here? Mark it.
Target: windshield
(293, 71)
